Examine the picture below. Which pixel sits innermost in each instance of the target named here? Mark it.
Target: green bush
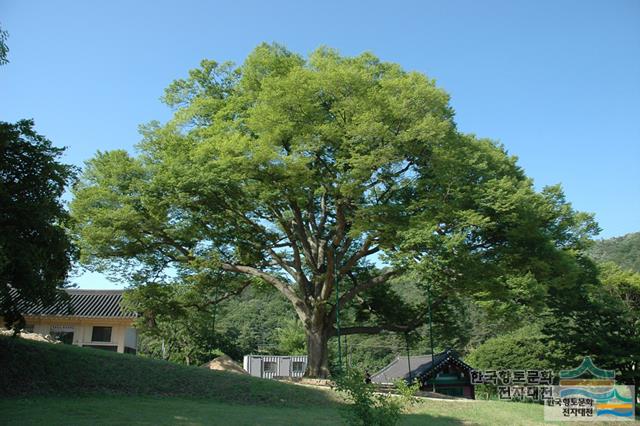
(368, 408)
(524, 349)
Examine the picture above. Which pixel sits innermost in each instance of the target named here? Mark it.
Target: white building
(87, 318)
(270, 366)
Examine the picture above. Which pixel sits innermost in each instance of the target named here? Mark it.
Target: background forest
(260, 321)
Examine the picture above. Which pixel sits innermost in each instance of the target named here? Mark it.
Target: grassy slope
(36, 368)
(41, 383)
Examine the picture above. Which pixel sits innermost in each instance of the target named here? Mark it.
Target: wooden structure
(445, 372)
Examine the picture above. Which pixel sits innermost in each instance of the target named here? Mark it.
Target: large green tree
(603, 321)
(303, 173)
(35, 251)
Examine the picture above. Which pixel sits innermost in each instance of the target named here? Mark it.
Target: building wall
(122, 334)
(284, 365)
(452, 380)
(131, 338)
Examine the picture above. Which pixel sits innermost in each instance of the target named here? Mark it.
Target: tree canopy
(35, 251)
(303, 173)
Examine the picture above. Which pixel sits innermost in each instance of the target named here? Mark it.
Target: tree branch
(324, 212)
(363, 252)
(298, 304)
(303, 238)
(349, 295)
(222, 298)
(283, 264)
(376, 329)
(303, 281)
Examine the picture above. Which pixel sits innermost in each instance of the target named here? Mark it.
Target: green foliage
(290, 338)
(256, 317)
(366, 406)
(523, 349)
(177, 324)
(35, 252)
(604, 323)
(279, 167)
(623, 251)
(526, 348)
(190, 324)
(4, 49)
(371, 352)
(407, 391)
(509, 250)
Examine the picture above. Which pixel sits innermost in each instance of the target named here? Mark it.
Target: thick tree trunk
(317, 349)
(318, 360)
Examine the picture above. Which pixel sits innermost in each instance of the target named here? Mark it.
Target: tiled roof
(421, 365)
(80, 303)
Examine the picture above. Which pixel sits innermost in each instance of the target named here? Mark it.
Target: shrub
(368, 407)
(524, 349)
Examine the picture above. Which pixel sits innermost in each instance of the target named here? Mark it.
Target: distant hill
(625, 251)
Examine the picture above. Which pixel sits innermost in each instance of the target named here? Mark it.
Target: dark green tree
(290, 338)
(525, 348)
(603, 321)
(191, 324)
(35, 251)
(303, 173)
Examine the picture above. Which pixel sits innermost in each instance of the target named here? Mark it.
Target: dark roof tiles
(80, 303)
(420, 366)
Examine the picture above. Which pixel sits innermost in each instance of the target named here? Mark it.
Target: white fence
(270, 366)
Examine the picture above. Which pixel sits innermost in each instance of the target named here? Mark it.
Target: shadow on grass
(431, 420)
(123, 410)
(42, 369)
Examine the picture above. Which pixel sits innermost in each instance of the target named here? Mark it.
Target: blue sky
(557, 82)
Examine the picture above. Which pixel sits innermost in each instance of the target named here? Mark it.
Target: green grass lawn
(118, 410)
(29, 368)
(46, 384)
(132, 410)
